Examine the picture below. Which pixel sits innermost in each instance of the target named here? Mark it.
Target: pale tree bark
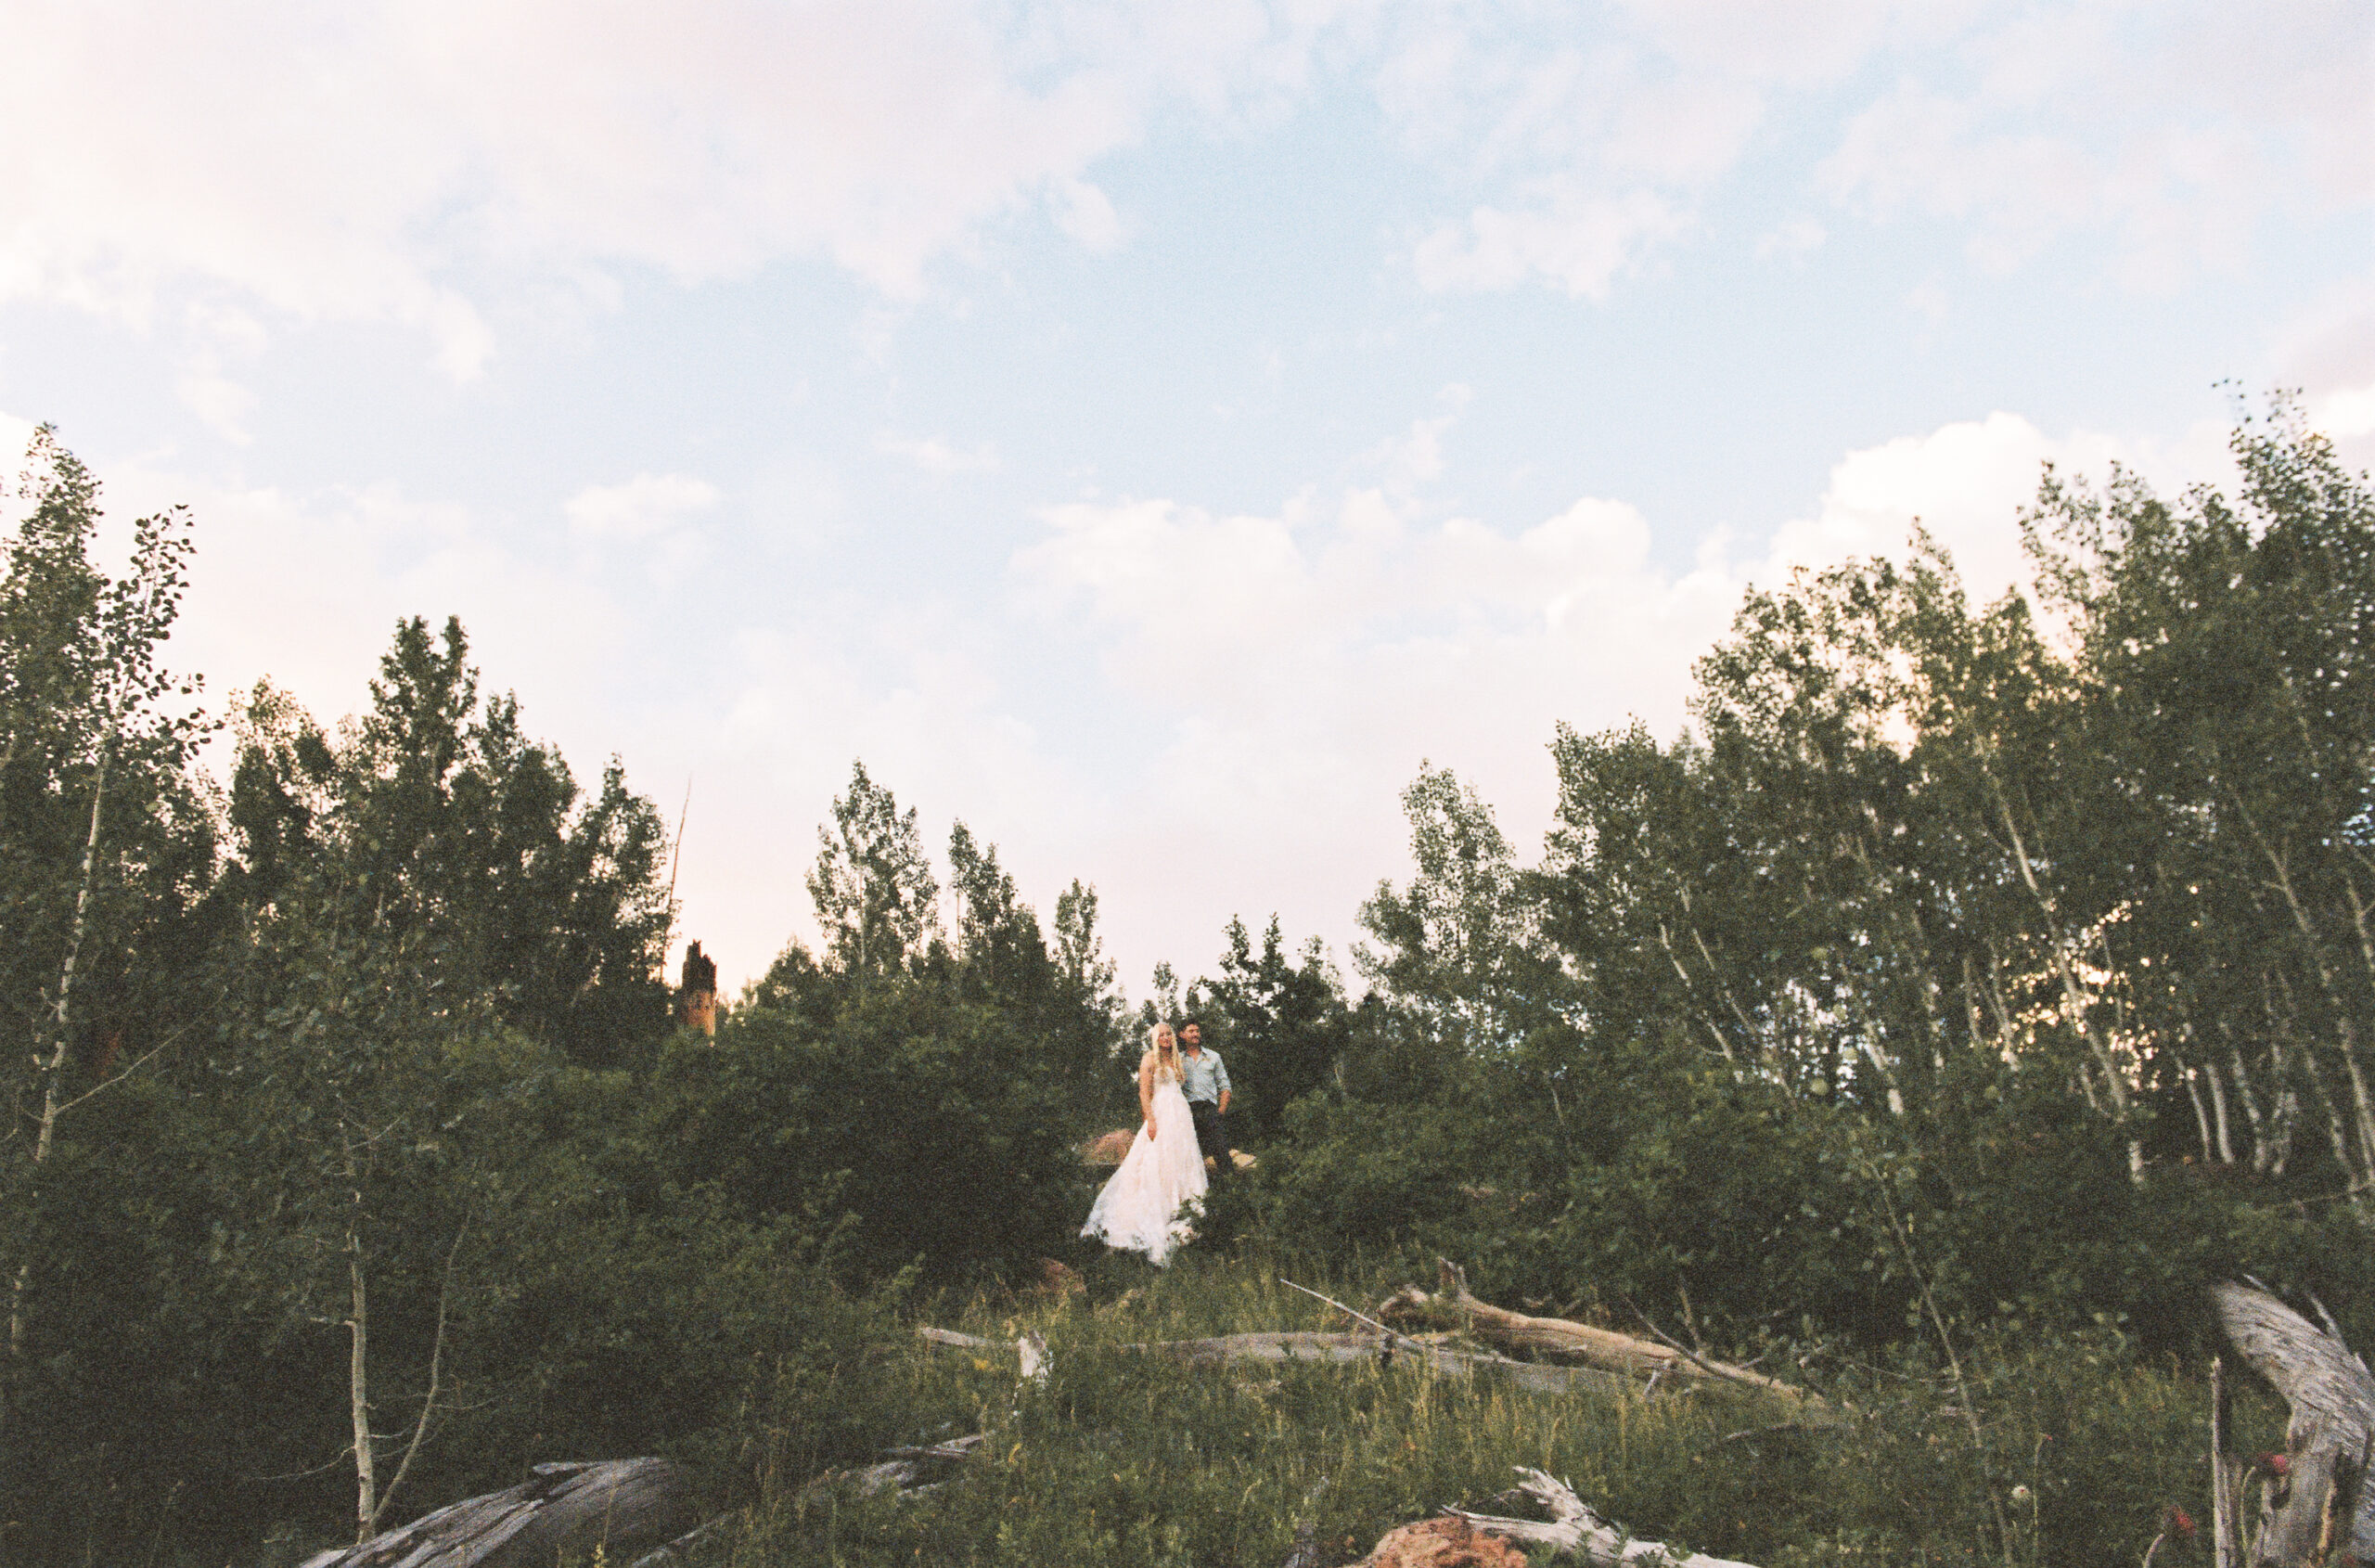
(1666, 942)
(2200, 1067)
(2192, 1077)
(358, 1356)
(1625, 1354)
(428, 1400)
(2263, 1146)
(1379, 1347)
(626, 1507)
(2225, 1483)
(61, 1021)
(2219, 1106)
(358, 1390)
(2361, 1172)
(2317, 1510)
(2337, 1128)
(2272, 1132)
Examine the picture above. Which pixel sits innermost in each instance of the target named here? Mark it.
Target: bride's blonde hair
(1162, 1069)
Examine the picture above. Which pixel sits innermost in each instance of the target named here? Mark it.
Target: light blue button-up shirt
(1202, 1076)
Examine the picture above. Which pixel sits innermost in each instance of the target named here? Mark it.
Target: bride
(1141, 1208)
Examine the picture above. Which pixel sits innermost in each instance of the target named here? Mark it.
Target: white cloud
(937, 457)
(432, 164)
(1966, 484)
(653, 512)
(2345, 413)
(1317, 655)
(2169, 131)
(643, 506)
(1792, 241)
(2327, 353)
(359, 163)
(1579, 243)
(219, 402)
(1087, 215)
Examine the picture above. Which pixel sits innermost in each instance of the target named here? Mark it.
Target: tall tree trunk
(2362, 1175)
(2262, 1143)
(2337, 1128)
(2200, 1115)
(1722, 1044)
(358, 1359)
(2075, 995)
(2218, 1107)
(60, 1020)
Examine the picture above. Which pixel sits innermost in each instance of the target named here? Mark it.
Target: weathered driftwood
(904, 1470)
(627, 1507)
(1605, 1348)
(914, 1470)
(2318, 1510)
(1574, 1529)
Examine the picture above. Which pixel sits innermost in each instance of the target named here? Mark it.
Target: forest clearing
(1840, 1146)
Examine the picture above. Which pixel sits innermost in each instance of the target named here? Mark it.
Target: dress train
(1150, 1204)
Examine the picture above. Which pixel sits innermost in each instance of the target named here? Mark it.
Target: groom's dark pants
(1211, 1135)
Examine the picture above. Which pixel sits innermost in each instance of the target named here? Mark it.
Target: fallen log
(680, 1550)
(1621, 1354)
(2314, 1507)
(905, 1472)
(626, 1507)
(1306, 1553)
(1531, 1377)
(1573, 1528)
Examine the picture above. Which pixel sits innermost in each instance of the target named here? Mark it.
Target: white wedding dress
(1141, 1208)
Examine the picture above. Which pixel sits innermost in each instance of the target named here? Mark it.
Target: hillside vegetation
(1966, 990)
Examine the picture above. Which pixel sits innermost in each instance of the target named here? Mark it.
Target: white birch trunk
(61, 1017)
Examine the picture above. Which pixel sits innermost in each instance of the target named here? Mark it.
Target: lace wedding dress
(1141, 1207)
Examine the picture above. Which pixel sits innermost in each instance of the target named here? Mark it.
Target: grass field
(1118, 1458)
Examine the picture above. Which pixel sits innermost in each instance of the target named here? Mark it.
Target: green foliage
(1283, 1024)
(2029, 947)
(926, 1119)
(873, 887)
(439, 825)
(1458, 947)
(106, 848)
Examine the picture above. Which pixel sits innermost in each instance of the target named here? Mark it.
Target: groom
(1205, 1081)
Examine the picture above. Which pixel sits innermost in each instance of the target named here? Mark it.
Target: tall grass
(1119, 1458)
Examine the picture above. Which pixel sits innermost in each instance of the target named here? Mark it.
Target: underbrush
(2073, 1451)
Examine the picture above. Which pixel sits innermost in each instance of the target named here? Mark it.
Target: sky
(1146, 430)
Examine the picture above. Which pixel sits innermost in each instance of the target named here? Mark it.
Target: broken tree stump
(1449, 1541)
(2316, 1509)
(1574, 1529)
(626, 1507)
